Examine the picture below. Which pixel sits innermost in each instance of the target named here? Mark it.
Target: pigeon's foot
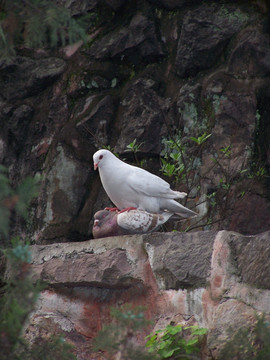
(127, 209)
(111, 209)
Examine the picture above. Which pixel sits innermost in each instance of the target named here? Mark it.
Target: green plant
(212, 198)
(226, 151)
(260, 172)
(20, 293)
(134, 147)
(132, 74)
(20, 296)
(177, 342)
(18, 199)
(173, 158)
(114, 82)
(54, 348)
(201, 139)
(181, 160)
(116, 338)
(36, 23)
(249, 343)
(224, 185)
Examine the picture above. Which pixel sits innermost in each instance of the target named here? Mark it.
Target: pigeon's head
(100, 157)
(105, 224)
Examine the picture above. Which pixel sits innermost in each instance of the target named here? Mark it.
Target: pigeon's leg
(127, 209)
(111, 209)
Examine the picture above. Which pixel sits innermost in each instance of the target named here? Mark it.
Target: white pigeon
(114, 223)
(131, 187)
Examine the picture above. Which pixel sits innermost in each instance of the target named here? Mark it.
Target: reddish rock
(250, 215)
(229, 316)
(203, 278)
(121, 85)
(110, 268)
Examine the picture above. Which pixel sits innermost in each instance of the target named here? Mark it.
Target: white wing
(149, 184)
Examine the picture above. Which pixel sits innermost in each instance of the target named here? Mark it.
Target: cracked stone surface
(214, 279)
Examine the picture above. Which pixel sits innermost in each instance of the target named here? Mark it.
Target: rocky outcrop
(215, 279)
(156, 72)
(168, 74)
(26, 77)
(204, 35)
(136, 43)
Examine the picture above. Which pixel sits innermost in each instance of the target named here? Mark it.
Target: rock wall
(151, 70)
(217, 280)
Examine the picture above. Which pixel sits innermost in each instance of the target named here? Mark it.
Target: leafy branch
(36, 23)
(177, 342)
(20, 293)
(15, 200)
(134, 147)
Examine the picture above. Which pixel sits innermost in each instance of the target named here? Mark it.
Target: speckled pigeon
(113, 223)
(131, 187)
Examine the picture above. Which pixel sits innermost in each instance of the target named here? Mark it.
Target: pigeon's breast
(118, 189)
(118, 184)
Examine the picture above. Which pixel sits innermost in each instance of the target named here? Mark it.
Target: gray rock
(251, 214)
(230, 317)
(173, 4)
(251, 55)
(142, 117)
(110, 268)
(189, 108)
(180, 260)
(19, 122)
(251, 254)
(136, 43)
(96, 118)
(115, 4)
(63, 189)
(26, 77)
(79, 7)
(204, 35)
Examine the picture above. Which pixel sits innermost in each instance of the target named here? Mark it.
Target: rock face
(189, 80)
(204, 35)
(215, 279)
(164, 73)
(138, 42)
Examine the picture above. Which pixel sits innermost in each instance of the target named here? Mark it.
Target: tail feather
(176, 208)
(179, 195)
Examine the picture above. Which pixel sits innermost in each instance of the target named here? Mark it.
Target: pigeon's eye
(100, 157)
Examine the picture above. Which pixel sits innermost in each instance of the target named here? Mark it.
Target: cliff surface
(163, 73)
(218, 280)
(168, 74)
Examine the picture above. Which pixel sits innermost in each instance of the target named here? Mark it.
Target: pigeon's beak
(95, 166)
(96, 222)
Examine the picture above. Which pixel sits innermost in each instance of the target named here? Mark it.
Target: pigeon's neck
(111, 169)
